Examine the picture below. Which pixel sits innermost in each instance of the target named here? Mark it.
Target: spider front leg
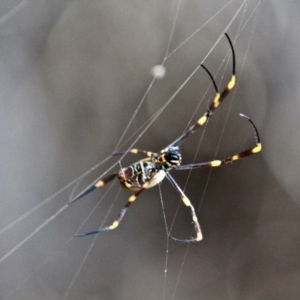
(188, 203)
(219, 98)
(119, 218)
(217, 163)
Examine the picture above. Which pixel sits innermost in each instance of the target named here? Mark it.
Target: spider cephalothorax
(168, 158)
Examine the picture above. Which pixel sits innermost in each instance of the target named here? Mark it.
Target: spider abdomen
(142, 174)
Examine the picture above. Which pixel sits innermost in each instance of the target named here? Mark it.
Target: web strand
(131, 141)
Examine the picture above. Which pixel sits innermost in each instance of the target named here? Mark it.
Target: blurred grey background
(72, 74)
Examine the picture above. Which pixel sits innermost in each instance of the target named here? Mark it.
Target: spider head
(169, 157)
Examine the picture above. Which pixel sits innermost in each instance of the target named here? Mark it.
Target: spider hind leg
(119, 218)
(94, 186)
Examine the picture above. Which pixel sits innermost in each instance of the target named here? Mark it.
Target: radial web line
(150, 85)
(223, 129)
(70, 287)
(65, 244)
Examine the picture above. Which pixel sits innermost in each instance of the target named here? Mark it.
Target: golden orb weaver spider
(151, 170)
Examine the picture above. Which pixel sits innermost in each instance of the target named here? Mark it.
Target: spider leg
(107, 179)
(119, 218)
(219, 97)
(135, 151)
(217, 163)
(188, 203)
(94, 186)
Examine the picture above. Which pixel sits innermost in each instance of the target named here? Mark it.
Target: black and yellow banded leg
(217, 163)
(119, 218)
(219, 97)
(187, 203)
(94, 186)
(135, 151)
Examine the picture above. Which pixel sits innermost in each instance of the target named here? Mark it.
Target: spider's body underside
(140, 174)
(151, 170)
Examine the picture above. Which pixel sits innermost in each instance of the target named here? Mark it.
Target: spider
(151, 170)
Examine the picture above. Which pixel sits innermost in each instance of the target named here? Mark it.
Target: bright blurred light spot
(159, 71)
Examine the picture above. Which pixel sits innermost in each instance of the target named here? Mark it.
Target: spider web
(178, 35)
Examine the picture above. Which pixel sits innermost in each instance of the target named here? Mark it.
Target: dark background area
(72, 74)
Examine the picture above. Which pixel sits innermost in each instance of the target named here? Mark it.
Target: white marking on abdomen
(157, 178)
